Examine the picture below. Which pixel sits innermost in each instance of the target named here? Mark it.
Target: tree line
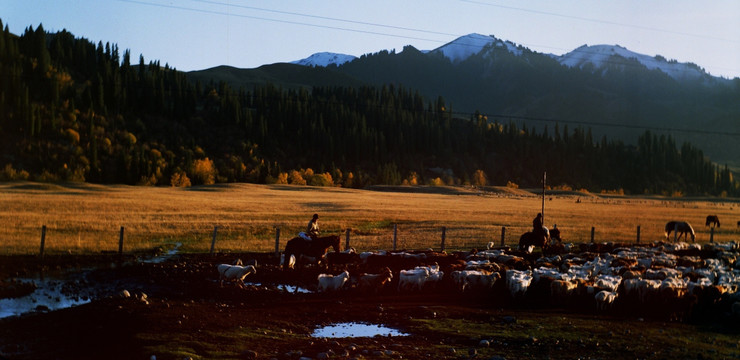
(73, 110)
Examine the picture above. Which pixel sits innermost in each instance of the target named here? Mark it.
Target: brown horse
(681, 227)
(315, 248)
(541, 239)
(713, 220)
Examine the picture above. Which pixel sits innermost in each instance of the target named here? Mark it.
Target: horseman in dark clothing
(537, 224)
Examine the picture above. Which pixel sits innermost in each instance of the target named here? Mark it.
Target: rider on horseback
(312, 230)
(537, 224)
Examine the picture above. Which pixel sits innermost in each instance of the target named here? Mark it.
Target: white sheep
(474, 279)
(648, 289)
(328, 282)
(608, 282)
(518, 281)
(234, 273)
(412, 279)
(605, 299)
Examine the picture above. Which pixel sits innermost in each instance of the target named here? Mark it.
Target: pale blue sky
(199, 34)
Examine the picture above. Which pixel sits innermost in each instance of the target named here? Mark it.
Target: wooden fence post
(593, 229)
(395, 235)
(213, 242)
(444, 231)
(43, 240)
(120, 242)
(638, 234)
(503, 235)
(346, 240)
(277, 241)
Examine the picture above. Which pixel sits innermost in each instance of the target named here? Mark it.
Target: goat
(234, 273)
(328, 282)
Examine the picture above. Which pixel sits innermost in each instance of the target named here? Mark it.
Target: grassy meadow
(86, 218)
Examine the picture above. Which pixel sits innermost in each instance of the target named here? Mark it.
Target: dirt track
(186, 314)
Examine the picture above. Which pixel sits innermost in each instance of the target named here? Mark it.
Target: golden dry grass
(83, 218)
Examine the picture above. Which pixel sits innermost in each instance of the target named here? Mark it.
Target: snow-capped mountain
(598, 56)
(472, 44)
(601, 56)
(325, 59)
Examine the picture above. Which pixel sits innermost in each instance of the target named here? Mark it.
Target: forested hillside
(72, 110)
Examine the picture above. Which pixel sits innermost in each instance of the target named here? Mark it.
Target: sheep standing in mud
(234, 273)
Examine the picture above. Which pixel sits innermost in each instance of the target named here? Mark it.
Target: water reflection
(287, 288)
(354, 329)
(49, 295)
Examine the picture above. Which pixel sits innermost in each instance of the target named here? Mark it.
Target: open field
(179, 310)
(85, 218)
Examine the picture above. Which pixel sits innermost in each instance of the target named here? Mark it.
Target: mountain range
(614, 92)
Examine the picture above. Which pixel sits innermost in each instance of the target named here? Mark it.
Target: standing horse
(541, 239)
(681, 227)
(315, 248)
(712, 219)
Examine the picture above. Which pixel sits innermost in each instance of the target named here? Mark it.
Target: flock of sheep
(672, 279)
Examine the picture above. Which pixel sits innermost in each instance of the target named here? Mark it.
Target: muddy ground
(178, 310)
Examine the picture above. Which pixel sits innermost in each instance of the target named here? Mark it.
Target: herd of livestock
(673, 280)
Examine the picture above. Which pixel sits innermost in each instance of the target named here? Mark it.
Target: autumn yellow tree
(296, 178)
(204, 172)
(180, 179)
(480, 178)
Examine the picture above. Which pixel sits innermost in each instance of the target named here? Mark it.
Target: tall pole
(544, 181)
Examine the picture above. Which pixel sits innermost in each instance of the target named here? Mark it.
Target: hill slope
(610, 89)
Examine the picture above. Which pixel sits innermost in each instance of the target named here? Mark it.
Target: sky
(199, 34)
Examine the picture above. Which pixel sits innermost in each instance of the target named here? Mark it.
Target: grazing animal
(532, 239)
(518, 282)
(476, 280)
(315, 248)
(605, 299)
(712, 219)
(681, 227)
(329, 282)
(413, 279)
(234, 273)
(375, 282)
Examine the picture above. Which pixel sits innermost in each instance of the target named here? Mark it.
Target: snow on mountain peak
(472, 44)
(602, 55)
(325, 59)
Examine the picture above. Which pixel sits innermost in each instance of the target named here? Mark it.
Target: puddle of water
(166, 256)
(49, 295)
(353, 329)
(288, 288)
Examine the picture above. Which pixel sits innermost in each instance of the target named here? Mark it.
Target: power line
(275, 20)
(601, 21)
(326, 18)
(423, 31)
